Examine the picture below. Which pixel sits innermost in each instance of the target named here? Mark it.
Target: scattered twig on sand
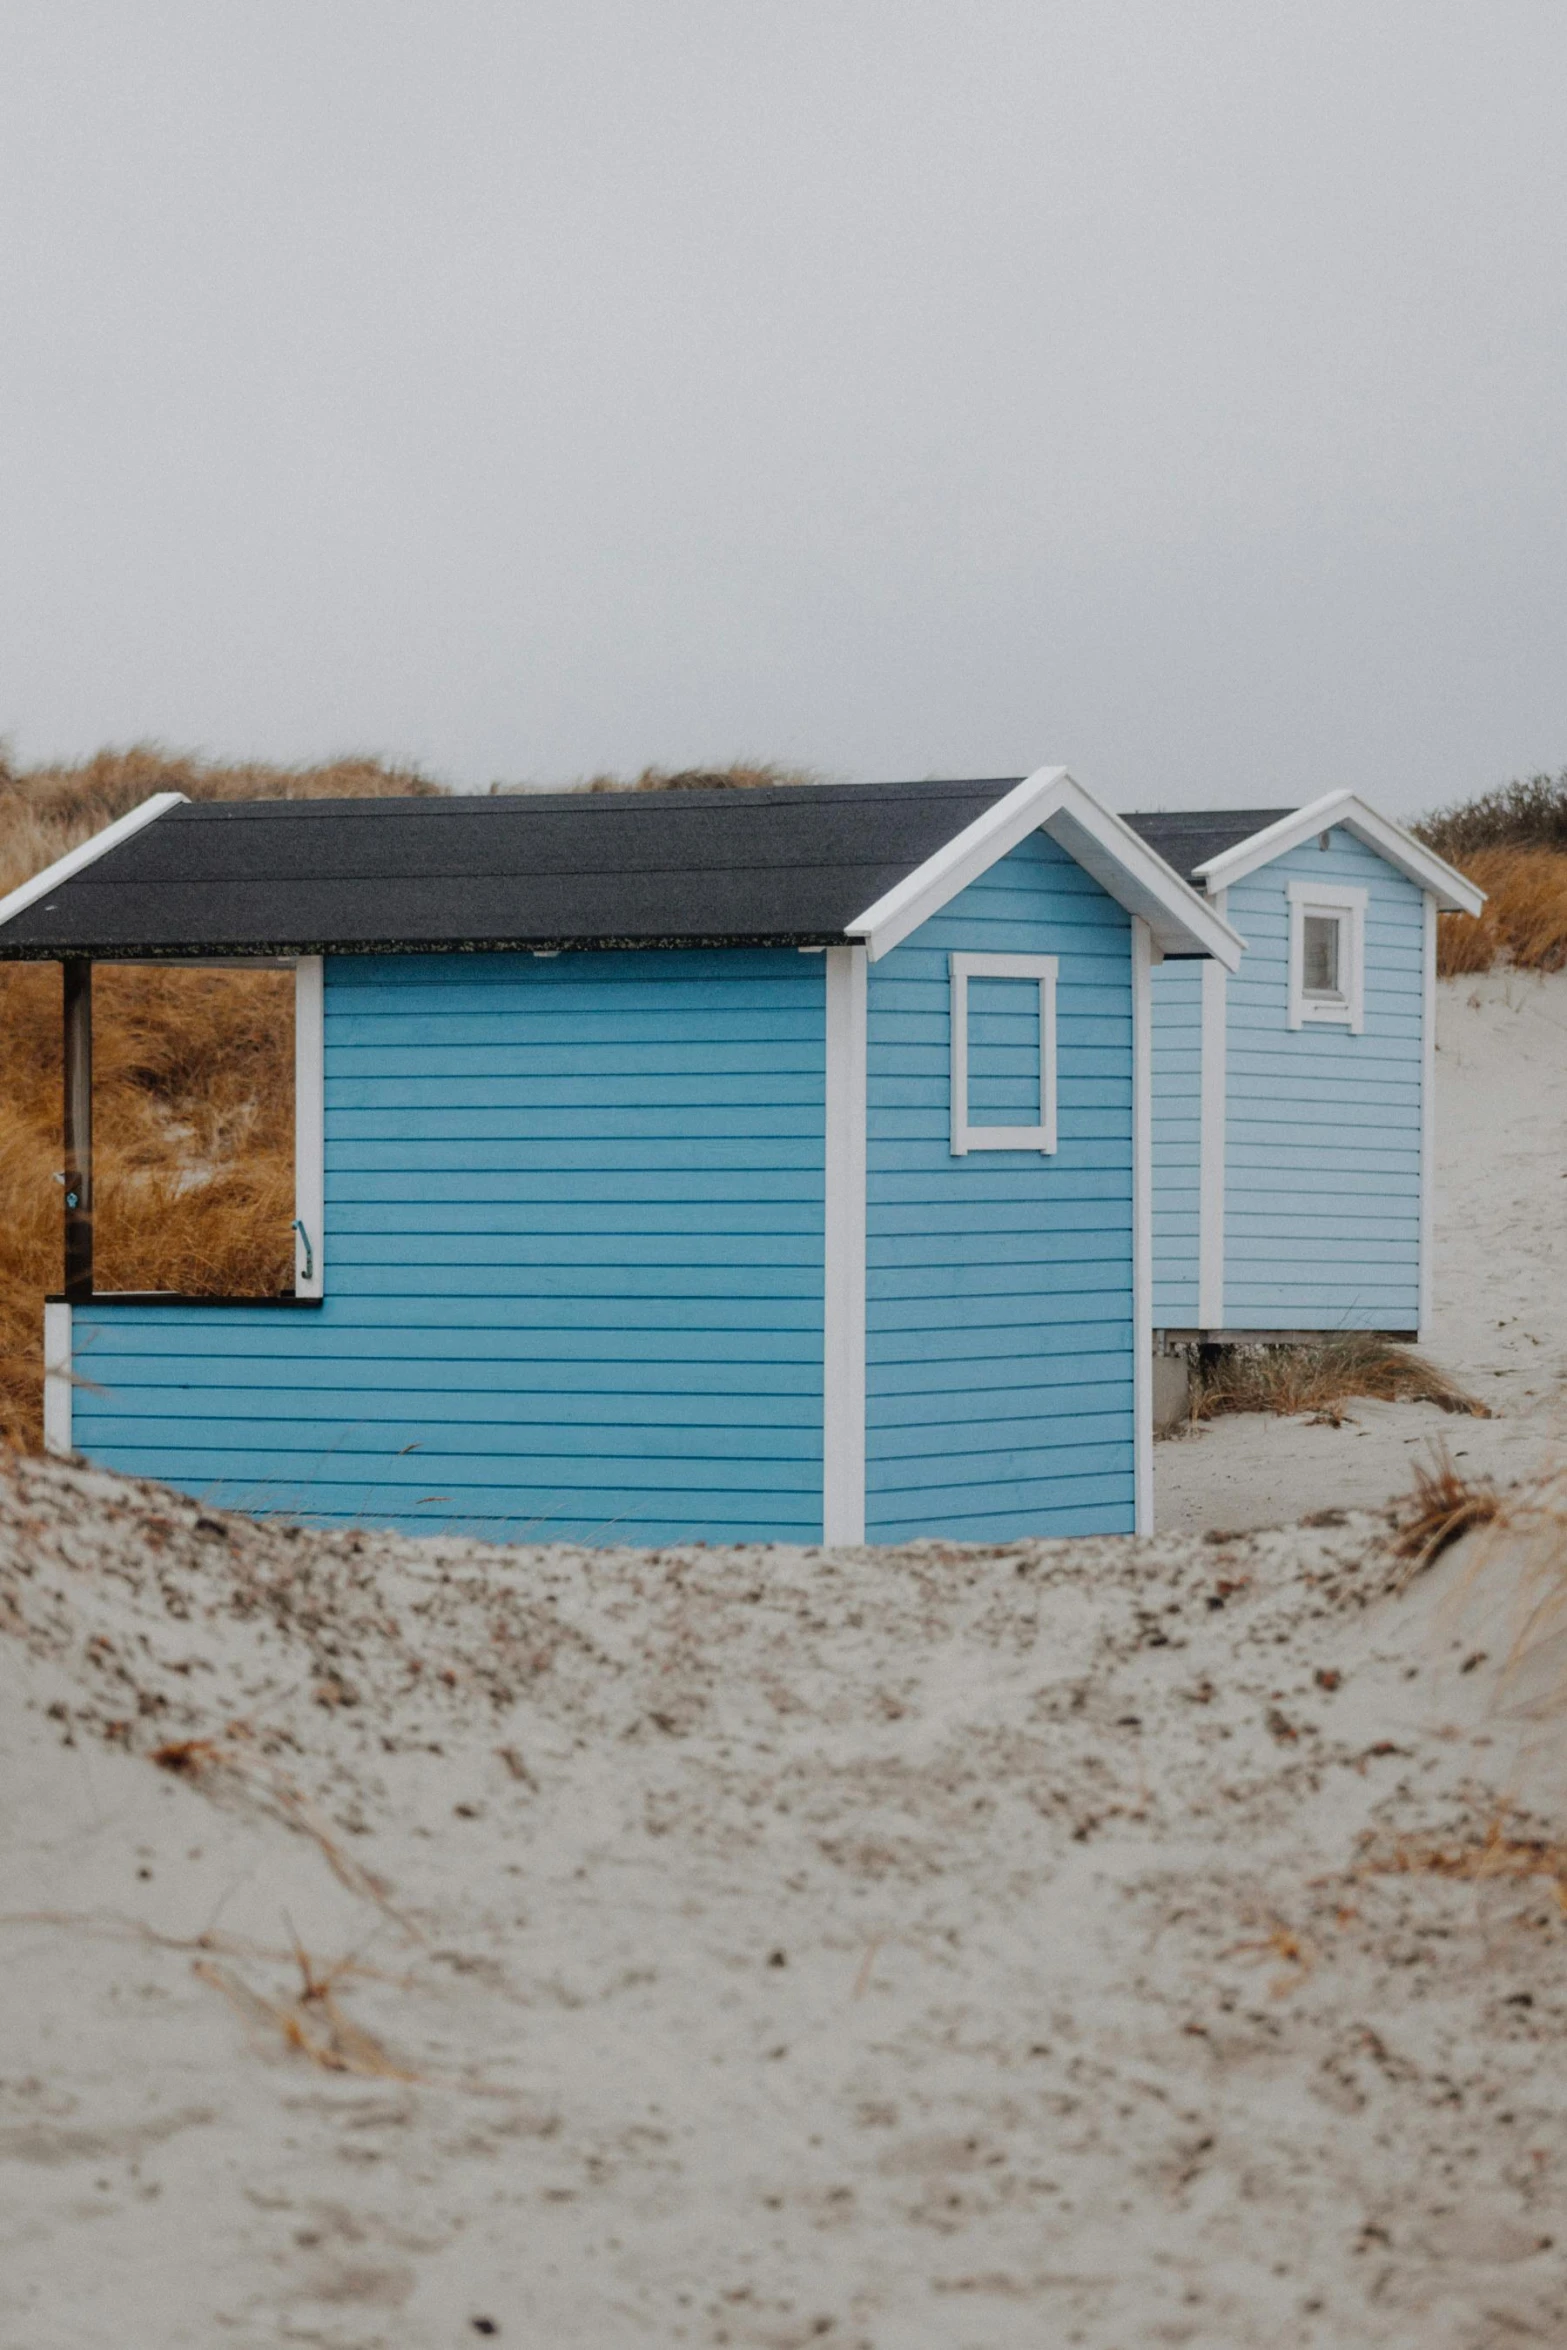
(1281, 1941)
(112, 1926)
(1443, 1505)
(205, 1758)
(313, 2023)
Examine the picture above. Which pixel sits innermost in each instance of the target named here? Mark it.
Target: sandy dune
(930, 1950)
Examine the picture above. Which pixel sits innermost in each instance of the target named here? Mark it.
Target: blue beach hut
(737, 1166)
(1294, 1098)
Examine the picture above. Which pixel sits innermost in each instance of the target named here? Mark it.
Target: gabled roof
(803, 865)
(1187, 837)
(1215, 847)
(1453, 891)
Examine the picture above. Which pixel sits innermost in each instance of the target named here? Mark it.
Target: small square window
(1327, 954)
(1003, 1010)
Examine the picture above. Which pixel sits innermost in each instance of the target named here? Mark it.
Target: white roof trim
(1181, 920)
(87, 853)
(1452, 890)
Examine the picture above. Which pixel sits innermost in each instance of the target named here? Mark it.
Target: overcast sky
(1176, 389)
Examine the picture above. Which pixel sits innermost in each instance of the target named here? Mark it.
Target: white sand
(926, 1950)
(1500, 1321)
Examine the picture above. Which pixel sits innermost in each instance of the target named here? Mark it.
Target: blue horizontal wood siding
(999, 1285)
(1322, 1168)
(1177, 1141)
(574, 1217)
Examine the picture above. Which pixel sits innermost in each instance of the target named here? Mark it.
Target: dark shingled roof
(1188, 837)
(789, 867)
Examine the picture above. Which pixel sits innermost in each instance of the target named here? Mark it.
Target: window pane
(1319, 961)
(1003, 1052)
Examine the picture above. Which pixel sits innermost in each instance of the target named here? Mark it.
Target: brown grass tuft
(1523, 921)
(312, 2022)
(193, 1076)
(1321, 1376)
(1443, 1506)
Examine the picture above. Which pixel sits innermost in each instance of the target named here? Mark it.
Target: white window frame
(1348, 908)
(967, 1137)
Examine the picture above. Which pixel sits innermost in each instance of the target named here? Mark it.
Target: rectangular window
(1320, 960)
(1327, 956)
(1003, 1012)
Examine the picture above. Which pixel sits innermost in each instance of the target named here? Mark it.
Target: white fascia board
(1453, 891)
(87, 853)
(1180, 921)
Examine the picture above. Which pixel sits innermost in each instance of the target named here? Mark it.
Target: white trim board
(1213, 1097)
(1348, 1008)
(1453, 891)
(1180, 920)
(1041, 969)
(87, 853)
(57, 1381)
(309, 1128)
(1142, 1228)
(843, 1315)
(1427, 1267)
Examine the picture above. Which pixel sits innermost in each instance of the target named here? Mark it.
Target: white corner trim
(843, 1320)
(87, 853)
(57, 1381)
(1142, 1229)
(1041, 969)
(309, 1128)
(1427, 1268)
(1348, 1009)
(1212, 1100)
(1119, 859)
(1454, 892)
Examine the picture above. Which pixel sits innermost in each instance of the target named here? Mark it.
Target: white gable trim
(1452, 890)
(1180, 921)
(87, 853)
(843, 1319)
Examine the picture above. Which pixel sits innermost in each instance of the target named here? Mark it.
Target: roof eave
(1453, 891)
(86, 853)
(1182, 921)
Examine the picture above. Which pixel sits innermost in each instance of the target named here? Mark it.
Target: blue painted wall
(1177, 1141)
(1322, 1127)
(999, 1285)
(573, 1262)
(1322, 1172)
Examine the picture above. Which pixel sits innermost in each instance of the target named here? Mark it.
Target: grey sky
(1175, 389)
